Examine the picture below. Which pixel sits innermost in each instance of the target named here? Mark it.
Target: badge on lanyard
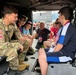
(40, 39)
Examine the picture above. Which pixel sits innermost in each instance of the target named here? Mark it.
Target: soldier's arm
(8, 45)
(19, 35)
(17, 32)
(4, 44)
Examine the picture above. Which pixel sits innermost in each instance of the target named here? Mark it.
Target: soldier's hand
(22, 39)
(21, 48)
(24, 35)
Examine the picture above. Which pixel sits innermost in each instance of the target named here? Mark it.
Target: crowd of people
(57, 42)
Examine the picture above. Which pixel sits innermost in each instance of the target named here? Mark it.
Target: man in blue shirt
(66, 44)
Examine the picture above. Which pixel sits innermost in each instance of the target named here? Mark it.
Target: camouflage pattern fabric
(10, 48)
(22, 54)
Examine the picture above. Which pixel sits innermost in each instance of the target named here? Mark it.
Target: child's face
(28, 26)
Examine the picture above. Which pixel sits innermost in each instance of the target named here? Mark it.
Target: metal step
(32, 61)
(61, 69)
(30, 73)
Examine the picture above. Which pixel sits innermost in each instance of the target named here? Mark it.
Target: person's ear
(7, 15)
(63, 17)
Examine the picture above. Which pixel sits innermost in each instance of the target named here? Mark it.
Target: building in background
(47, 16)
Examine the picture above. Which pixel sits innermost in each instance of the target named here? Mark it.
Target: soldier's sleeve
(5, 45)
(17, 32)
(8, 45)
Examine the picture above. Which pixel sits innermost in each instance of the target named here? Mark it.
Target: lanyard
(66, 23)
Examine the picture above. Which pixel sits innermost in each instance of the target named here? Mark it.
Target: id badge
(40, 39)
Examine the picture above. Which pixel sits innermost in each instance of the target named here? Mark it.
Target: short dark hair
(23, 17)
(67, 12)
(9, 10)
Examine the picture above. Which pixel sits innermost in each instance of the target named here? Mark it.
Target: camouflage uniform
(10, 48)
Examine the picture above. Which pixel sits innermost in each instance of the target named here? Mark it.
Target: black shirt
(43, 33)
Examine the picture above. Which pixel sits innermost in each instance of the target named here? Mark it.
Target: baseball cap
(29, 22)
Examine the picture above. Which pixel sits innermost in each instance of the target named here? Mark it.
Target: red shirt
(54, 30)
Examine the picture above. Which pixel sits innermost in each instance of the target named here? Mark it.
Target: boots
(23, 63)
(21, 68)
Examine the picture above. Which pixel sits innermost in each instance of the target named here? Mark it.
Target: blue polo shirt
(27, 32)
(68, 40)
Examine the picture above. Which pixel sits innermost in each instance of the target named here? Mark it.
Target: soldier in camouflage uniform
(8, 47)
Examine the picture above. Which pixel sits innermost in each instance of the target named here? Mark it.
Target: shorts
(57, 57)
